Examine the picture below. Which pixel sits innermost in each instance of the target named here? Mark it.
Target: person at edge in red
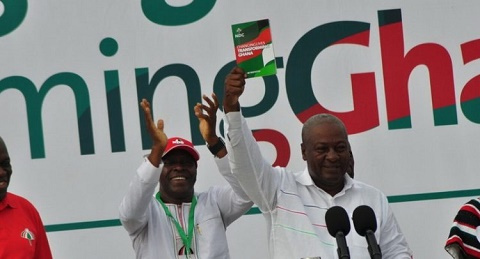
(22, 234)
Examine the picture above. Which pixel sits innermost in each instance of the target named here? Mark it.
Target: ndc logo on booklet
(239, 33)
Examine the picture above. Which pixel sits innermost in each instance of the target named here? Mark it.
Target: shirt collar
(7, 202)
(304, 178)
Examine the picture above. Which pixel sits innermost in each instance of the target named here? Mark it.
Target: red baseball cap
(181, 143)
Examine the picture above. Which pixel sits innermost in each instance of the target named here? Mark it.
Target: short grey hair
(319, 119)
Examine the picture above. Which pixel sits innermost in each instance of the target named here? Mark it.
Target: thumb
(160, 124)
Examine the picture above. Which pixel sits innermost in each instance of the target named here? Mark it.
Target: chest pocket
(210, 236)
(20, 240)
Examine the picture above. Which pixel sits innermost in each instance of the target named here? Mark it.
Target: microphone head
(337, 221)
(364, 219)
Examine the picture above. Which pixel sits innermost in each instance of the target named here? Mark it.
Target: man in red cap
(177, 222)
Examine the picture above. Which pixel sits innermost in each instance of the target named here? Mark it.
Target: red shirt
(22, 234)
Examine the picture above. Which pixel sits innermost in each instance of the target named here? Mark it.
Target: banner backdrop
(403, 75)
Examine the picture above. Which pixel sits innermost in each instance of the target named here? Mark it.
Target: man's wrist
(231, 107)
(215, 148)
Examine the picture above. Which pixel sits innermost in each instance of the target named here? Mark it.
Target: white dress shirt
(155, 236)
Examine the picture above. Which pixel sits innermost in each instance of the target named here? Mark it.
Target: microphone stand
(373, 247)
(342, 249)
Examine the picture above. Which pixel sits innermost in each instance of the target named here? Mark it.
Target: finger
(202, 117)
(207, 112)
(236, 76)
(211, 104)
(146, 111)
(237, 70)
(235, 81)
(215, 99)
(199, 111)
(233, 90)
(160, 124)
(145, 105)
(142, 104)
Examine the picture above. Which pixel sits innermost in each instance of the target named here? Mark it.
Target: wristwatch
(217, 147)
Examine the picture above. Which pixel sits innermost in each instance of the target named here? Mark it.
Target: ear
(302, 147)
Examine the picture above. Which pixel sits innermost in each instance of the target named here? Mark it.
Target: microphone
(365, 224)
(338, 226)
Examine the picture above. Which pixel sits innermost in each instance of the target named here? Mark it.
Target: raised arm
(207, 121)
(157, 135)
(258, 178)
(207, 117)
(134, 205)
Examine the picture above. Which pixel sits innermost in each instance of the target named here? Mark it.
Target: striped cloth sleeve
(463, 239)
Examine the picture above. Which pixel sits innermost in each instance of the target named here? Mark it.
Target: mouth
(332, 167)
(3, 184)
(179, 178)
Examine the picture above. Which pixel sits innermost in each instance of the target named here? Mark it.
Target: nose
(332, 155)
(178, 166)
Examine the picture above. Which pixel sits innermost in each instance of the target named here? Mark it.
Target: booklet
(254, 48)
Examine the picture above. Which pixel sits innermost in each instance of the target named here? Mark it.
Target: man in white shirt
(294, 203)
(178, 222)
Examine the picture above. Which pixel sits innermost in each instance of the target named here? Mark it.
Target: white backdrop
(71, 190)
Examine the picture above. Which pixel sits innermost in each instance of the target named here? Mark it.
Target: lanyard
(186, 238)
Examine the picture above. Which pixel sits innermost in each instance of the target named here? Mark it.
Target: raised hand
(234, 86)
(207, 118)
(158, 136)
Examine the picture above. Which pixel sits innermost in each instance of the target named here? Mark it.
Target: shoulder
(207, 193)
(14, 198)
(367, 189)
(20, 202)
(366, 186)
(215, 191)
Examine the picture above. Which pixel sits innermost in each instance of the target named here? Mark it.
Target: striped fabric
(463, 240)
